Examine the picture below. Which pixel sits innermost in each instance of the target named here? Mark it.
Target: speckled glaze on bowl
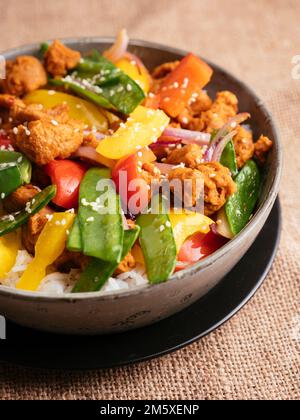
(91, 313)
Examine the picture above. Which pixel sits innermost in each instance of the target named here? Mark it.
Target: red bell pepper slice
(67, 176)
(127, 170)
(177, 89)
(200, 246)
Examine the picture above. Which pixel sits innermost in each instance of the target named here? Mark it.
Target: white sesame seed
(168, 224)
(140, 154)
(54, 122)
(129, 88)
(15, 130)
(161, 228)
(2, 196)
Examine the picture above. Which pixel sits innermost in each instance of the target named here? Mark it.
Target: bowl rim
(261, 212)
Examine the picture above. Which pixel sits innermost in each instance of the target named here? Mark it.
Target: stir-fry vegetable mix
(85, 159)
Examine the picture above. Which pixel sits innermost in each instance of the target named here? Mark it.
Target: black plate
(36, 349)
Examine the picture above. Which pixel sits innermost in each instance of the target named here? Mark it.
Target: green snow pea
(13, 221)
(157, 242)
(94, 277)
(15, 170)
(82, 91)
(228, 159)
(101, 81)
(240, 206)
(101, 227)
(10, 179)
(117, 87)
(74, 242)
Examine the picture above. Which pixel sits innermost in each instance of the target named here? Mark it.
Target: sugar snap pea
(157, 242)
(12, 222)
(228, 159)
(74, 242)
(241, 205)
(15, 170)
(94, 277)
(100, 217)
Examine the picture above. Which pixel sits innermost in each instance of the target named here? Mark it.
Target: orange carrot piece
(177, 89)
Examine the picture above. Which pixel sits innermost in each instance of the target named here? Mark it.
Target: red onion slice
(87, 152)
(118, 50)
(187, 136)
(219, 148)
(230, 125)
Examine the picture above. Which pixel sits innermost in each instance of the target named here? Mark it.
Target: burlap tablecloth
(257, 354)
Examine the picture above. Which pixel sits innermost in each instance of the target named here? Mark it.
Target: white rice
(60, 283)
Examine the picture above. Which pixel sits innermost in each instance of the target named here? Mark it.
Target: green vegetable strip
(228, 159)
(98, 272)
(15, 170)
(100, 81)
(10, 179)
(81, 91)
(20, 161)
(158, 244)
(239, 208)
(118, 88)
(101, 231)
(74, 242)
(12, 222)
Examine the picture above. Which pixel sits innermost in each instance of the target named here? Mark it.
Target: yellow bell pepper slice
(9, 247)
(49, 247)
(186, 224)
(80, 109)
(136, 71)
(143, 127)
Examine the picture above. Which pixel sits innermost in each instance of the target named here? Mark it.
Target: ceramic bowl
(91, 313)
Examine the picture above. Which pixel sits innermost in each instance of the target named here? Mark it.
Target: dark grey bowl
(91, 313)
